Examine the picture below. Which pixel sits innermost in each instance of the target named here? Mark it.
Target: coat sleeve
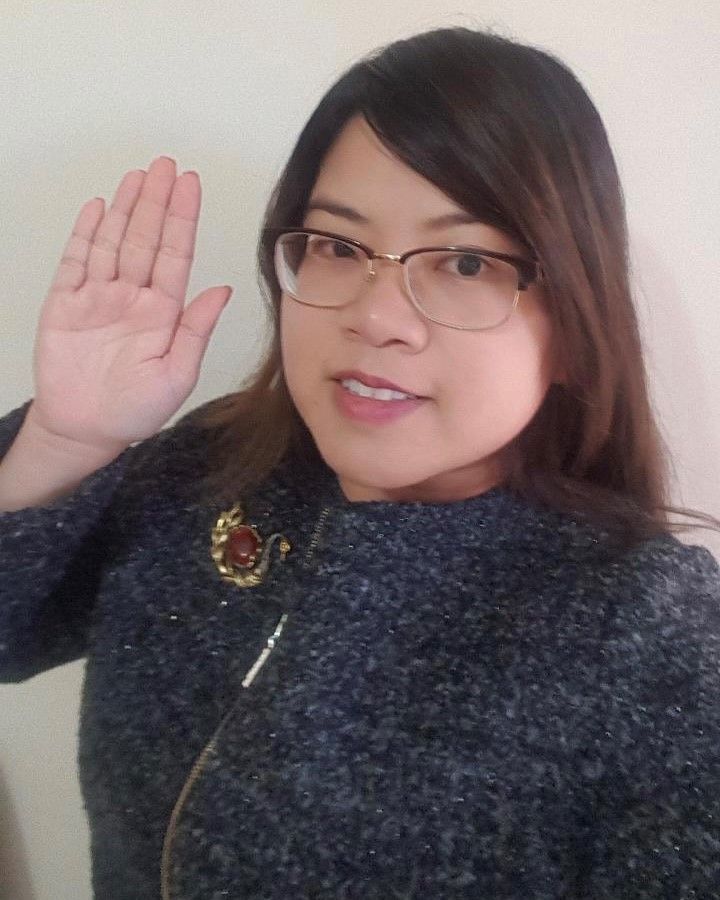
(657, 817)
(51, 561)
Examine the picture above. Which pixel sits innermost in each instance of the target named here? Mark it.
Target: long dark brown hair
(508, 132)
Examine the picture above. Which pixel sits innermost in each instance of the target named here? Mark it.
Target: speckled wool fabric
(468, 700)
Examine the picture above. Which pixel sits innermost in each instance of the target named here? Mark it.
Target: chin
(397, 477)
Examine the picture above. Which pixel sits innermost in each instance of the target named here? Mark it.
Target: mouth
(373, 387)
(384, 395)
(373, 406)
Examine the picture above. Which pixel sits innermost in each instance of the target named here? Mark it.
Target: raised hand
(116, 351)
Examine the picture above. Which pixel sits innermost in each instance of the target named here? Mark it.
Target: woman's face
(479, 388)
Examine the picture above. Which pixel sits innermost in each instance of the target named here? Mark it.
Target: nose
(382, 312)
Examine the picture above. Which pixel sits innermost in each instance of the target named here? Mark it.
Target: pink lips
(368, 410)
(371, 381)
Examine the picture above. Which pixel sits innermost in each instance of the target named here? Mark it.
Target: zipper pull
(265, 652)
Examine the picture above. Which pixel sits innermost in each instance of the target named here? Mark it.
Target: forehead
(365, 191)
(359, 164)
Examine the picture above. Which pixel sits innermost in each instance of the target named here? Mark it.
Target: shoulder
(658, 732)
(655, 579)
(667, 561)
(662, 635)
(646, 610)
(666, 587)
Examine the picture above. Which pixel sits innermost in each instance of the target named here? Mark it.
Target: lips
(373, 381)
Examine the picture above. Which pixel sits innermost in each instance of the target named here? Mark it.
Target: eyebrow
(352, 215)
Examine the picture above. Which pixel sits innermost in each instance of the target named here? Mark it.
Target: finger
(141, 240)
(103, 260)
(193, 332)
(174, 259)
(72, 269)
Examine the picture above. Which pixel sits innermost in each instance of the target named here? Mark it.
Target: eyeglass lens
(459, 288)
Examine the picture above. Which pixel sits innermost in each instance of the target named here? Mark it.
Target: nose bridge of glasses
(393, 257)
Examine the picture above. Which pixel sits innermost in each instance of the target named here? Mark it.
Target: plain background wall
(92, 89)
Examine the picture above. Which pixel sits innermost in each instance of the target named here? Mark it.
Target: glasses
(463, 287)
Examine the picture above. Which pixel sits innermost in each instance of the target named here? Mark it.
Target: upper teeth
(357, 387)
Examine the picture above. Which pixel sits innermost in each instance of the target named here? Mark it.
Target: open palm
(116, 351)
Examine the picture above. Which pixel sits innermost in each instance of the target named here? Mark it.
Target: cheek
(302, 347)
(501, 374)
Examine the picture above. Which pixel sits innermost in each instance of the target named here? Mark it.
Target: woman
(405, 616)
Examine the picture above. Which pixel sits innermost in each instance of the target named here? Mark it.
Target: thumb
(194, 329)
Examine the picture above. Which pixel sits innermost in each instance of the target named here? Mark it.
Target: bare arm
(116, 350)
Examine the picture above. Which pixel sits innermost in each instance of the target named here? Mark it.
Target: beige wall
(91, 89)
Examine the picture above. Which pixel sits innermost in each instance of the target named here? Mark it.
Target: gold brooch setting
(241, 554)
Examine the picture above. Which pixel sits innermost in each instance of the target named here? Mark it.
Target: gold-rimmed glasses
(466, 287)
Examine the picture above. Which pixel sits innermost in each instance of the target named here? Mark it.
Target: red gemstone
(242, 546)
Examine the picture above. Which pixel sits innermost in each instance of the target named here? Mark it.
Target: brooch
(240, 553)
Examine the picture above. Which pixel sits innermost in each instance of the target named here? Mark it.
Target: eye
(330, 248)
(466, 264)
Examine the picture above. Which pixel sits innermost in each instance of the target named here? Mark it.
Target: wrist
(34, 433)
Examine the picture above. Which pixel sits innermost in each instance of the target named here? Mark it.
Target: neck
(453, 486)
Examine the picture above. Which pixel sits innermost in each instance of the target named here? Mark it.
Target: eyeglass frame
(529, 271)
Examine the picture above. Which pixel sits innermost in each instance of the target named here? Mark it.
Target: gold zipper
(201, 762)
(316, 534)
